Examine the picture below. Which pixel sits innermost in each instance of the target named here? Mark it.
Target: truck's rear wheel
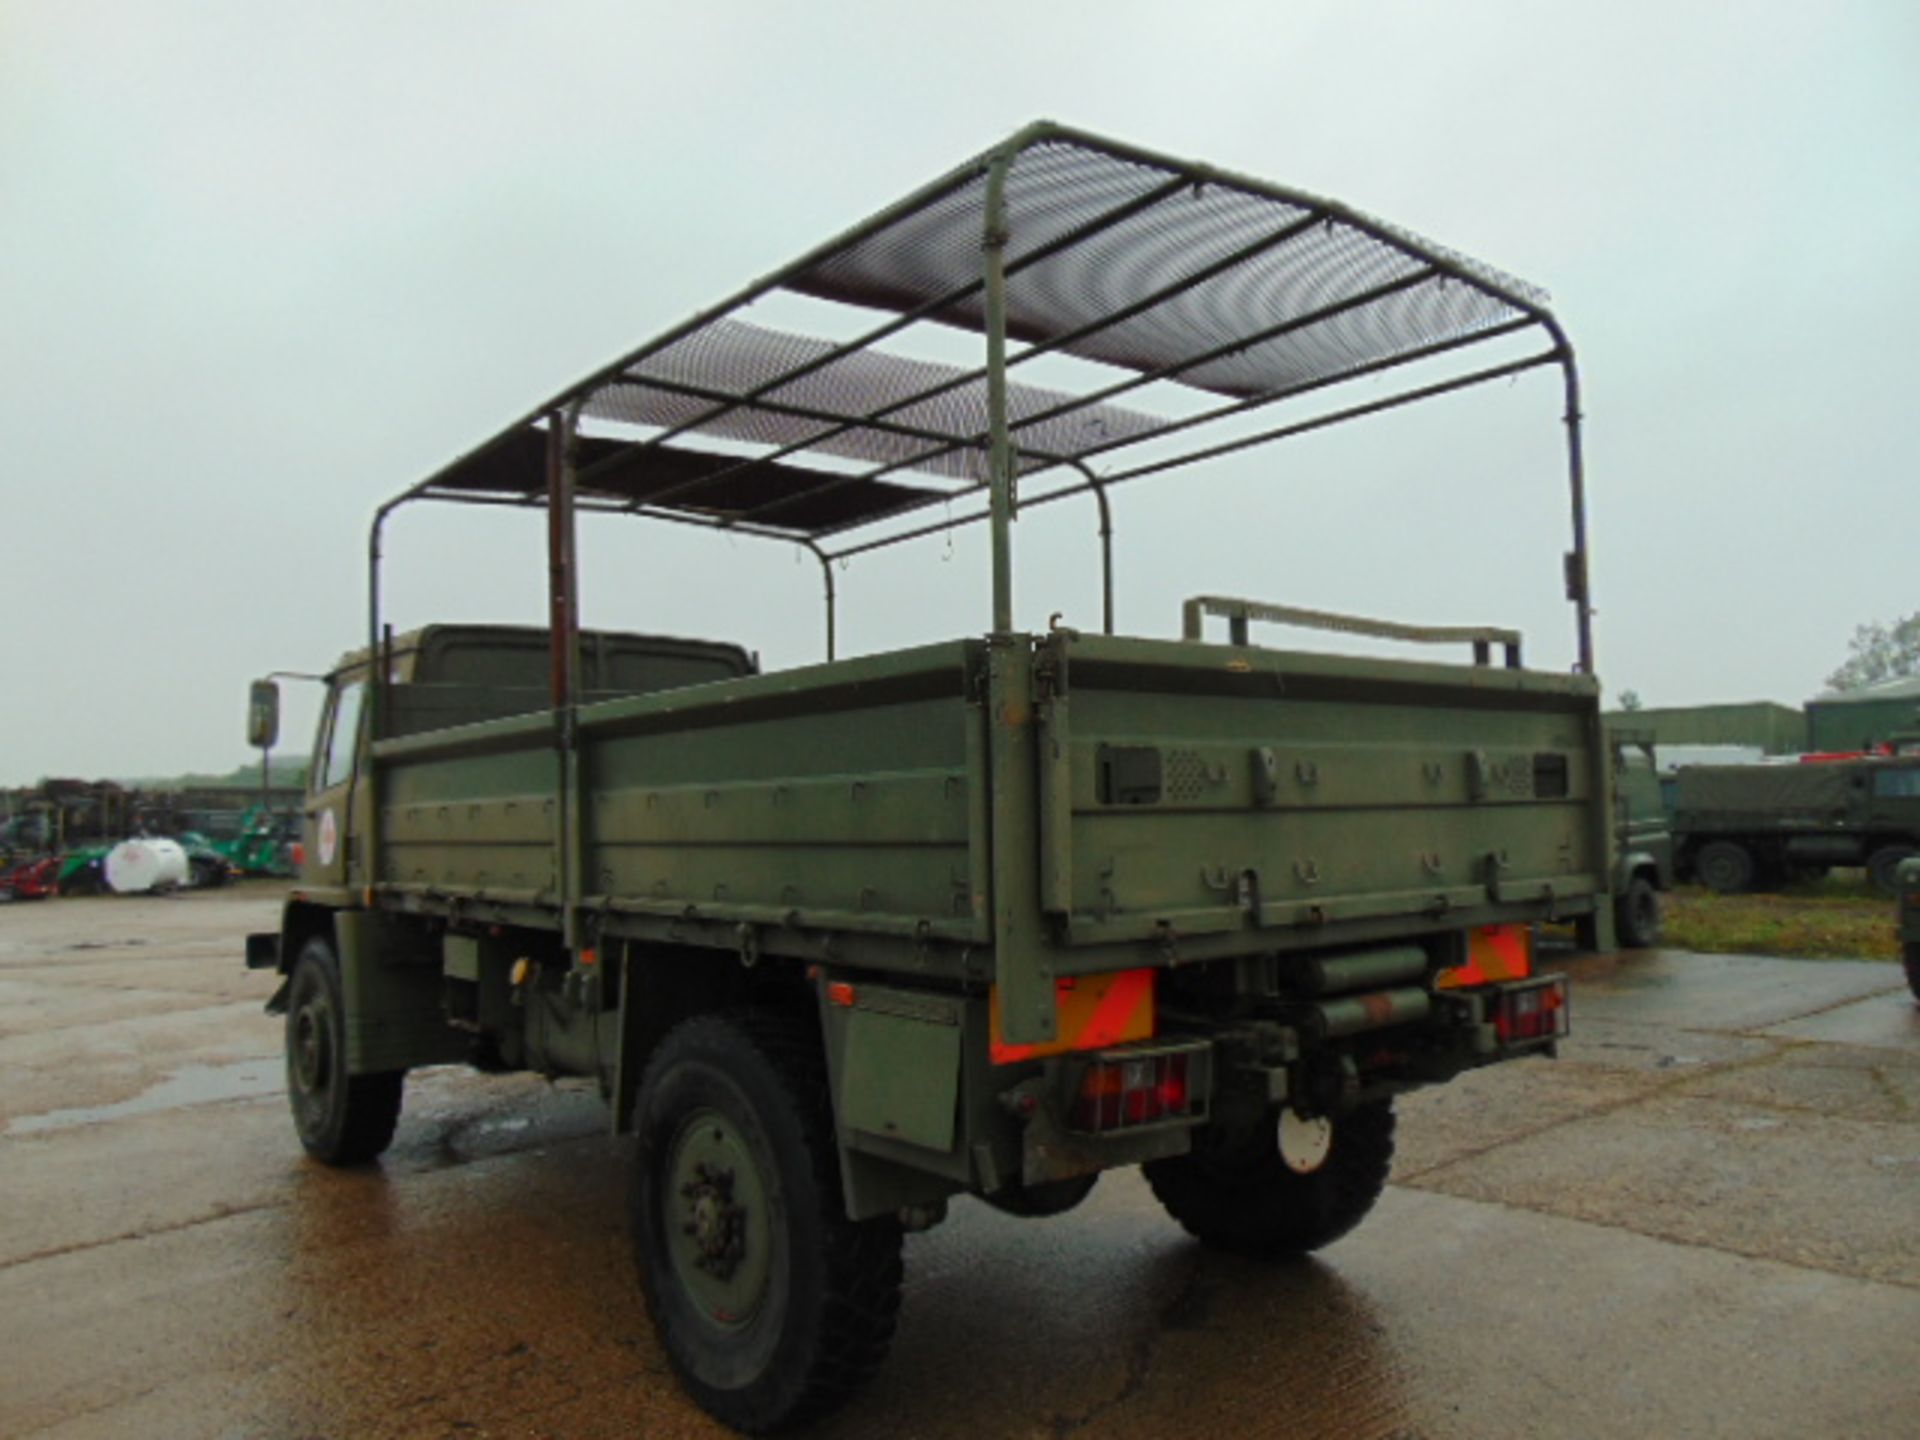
(1043, 1201)
(1910, 957)
(772, 1305)
(342, 1119)
(1254, 1195)
(1883, 867)
(1637, 915)
(1724, 867)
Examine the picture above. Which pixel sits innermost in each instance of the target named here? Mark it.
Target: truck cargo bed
(1212, 797)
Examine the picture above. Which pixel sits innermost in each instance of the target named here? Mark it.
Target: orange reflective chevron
(1494, 952)
(1091, 1012)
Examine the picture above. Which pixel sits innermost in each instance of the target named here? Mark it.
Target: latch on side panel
(1266, 775)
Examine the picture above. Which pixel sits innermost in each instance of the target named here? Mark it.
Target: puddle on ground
(194, 1085)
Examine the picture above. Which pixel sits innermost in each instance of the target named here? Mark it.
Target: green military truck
(1746, 827)
(1643, 863)
(998, 913)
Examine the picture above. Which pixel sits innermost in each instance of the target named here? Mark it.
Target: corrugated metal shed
(1852, 719)
(1774, 729)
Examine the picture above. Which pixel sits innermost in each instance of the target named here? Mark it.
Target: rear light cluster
(1125, 1090)
(1532, 1012)
(1494, 952)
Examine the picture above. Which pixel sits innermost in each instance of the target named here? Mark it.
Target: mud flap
(894, 1060)
(392, 988)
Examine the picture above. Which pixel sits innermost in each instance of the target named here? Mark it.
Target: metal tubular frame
(999, 438)
(1164, 372)
(873, 420)
(907, 319)
(1211, 270)
(1224, 412)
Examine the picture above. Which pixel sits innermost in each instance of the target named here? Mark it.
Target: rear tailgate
(1293, 799)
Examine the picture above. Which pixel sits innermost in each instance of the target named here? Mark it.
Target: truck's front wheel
(1269, 1193)
(1883, 867)
(772, 1305)
(1724, 867)
(342, 1119)
(1637, 915)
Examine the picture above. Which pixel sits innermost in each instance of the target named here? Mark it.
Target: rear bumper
(1510, 1019)
(1244, 1070)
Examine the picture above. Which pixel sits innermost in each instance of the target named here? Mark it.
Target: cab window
(342, 734)
(1897, 784)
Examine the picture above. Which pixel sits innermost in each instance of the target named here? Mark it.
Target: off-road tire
(822, 1318)
(1043, 1201)
(1637, 917)
(341, 1119)
(1910, 959)
(1243, 1198)
(1883, 867)
(1725, 867)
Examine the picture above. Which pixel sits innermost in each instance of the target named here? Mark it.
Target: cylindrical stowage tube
(1368, 970)
(1825, 849)
(1357, 1014)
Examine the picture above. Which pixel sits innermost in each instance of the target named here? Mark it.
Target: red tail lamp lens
(1117, 1094)
(1538, 1012)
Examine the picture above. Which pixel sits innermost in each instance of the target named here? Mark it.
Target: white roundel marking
(1304, 1142)
(329, 837)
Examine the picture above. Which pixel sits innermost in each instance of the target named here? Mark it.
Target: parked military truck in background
(1643, 840)
(988, 916)
(1746, 827)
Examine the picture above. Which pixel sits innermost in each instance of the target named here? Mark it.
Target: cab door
(1894, 799)
(325, 829)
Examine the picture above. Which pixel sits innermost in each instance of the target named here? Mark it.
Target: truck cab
(447, 676)
(1643, 869)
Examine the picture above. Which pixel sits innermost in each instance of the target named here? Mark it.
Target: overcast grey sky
(263, 266)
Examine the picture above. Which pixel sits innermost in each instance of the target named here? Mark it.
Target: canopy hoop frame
(1003, 481)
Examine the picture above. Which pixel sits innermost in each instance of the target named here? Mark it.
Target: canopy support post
(563, 600)
(1579, 585)
(366, 786)
(561, 590)
(376, 676)
(826, 574)
(1000, 441)
(1099, 488)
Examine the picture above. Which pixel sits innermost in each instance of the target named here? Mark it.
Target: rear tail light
(1524, 1013)
(1494, 952)
(1129, 1089)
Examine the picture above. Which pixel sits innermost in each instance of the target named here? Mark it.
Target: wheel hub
(717, 1224)
(1305, 1141)
(719, 1219)
(310, 1049)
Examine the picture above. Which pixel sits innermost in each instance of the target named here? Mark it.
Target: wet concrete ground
(1703, 1220)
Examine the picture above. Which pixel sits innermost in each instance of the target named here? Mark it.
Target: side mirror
(263, 714)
